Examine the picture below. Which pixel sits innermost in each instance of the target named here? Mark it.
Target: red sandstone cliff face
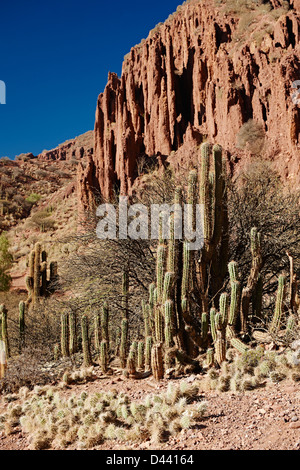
(77, 148)
(199, 75)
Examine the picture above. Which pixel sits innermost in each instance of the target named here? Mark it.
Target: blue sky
(54, 59)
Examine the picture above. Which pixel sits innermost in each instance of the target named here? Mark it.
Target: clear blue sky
(54, 59)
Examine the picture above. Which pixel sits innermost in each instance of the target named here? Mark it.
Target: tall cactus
(105, 323)
(72, 333)
(275, 324)
(104, 356)
(220, 344)
(36, 282)
(169, 314)
(4, 332)
(123, 342)
(64, 337)
(148, 348)
(157, 365)
(87, 358)
(22, 325)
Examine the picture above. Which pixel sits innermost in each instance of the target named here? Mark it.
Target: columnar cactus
(141, 355)
(148, 348)
(36, 282)
(22, 325)
(169, 314)
(275, 324)
(105, 323)
(220, 344)
(213, 329)
(104, 356)
(186, 276)
(4, 332)
(123, 342)
(97, 332)
(157, 365)
(72, 333)
(160, 267)
(87, 358)
(64, 338)
(131, 362)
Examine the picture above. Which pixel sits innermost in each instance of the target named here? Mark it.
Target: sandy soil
(264, 419)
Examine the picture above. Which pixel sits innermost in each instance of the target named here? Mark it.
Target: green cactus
(159, 323)
(141, 355)
(72, 333)
(169, 314)
(157, 365)
(234, 303)
(186, 273)
(233, 271)
(64, 337)
(220, 343)
(275, 324)
(148, 348)
(160, 267)
(22, 325)
(147, 319)
(210, 357)
(168, 286)
(131, 362)
(224, 307)
(87, 359)
(105, 323)
(104, 356)
(4, 332)
(213, 329)
(123, 343)
(97, 332)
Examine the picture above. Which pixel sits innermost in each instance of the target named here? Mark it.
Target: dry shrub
(251, 136)
(24, 370)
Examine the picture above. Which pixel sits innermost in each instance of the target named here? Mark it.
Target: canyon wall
(200, 75)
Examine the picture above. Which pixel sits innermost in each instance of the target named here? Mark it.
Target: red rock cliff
(200, 71)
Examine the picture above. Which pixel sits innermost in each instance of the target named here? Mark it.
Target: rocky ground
(264, 419)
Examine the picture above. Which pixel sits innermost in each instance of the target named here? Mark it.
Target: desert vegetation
(228, 313)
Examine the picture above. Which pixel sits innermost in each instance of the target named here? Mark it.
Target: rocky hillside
(215, 70)
(38, 199)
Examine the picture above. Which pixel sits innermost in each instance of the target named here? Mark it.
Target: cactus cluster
(37, 283)
(187, 314)
(53, 421)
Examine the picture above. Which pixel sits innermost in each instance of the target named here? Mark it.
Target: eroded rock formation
(199, 75)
